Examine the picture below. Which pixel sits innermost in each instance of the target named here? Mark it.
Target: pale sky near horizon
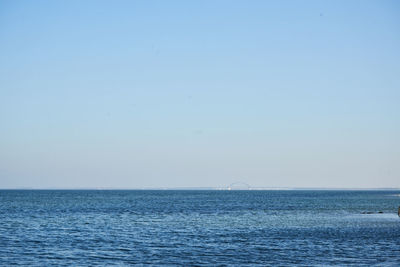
(131, 94)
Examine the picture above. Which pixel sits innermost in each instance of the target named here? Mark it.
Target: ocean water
(114, 227)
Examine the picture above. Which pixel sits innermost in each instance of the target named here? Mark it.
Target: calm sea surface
(79, 228)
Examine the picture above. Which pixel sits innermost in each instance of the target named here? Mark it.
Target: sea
(199, 228)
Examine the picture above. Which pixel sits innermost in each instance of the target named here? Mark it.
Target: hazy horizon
(175, 94)
(208, 188)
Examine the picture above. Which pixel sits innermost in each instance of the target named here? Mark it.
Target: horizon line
(199, 188)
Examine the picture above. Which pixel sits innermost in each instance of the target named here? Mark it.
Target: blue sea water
(115, 227)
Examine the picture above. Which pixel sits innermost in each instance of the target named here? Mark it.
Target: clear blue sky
(134, 94)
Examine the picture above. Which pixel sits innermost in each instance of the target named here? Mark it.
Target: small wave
(381, 215)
